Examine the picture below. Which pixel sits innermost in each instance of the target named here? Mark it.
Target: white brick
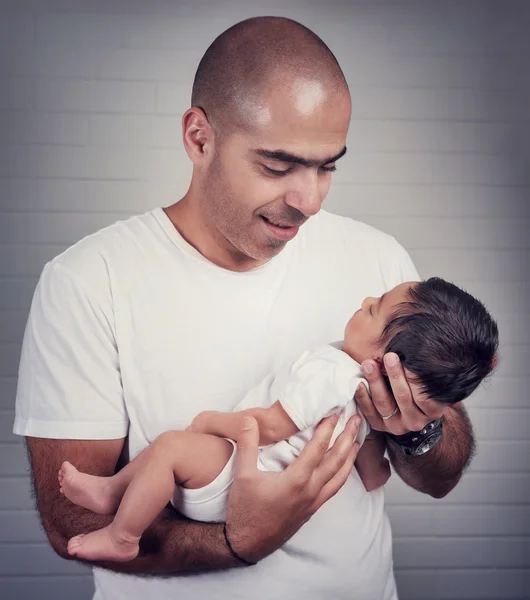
(62, 228)
(473, 489)
(15, 493)
(483, 584)
(502, 392)
(17, 28)
(409, 200)
(43, 128)
(431, 136)
(20, 527)
(17, 93)
(435, 104)
(167, 164)
(430, 70)
(80, 587)
(497, 267)
(444, 553)
(15, 559)
(95, 96)
(461, 520)
(462, 233)
(12, 324)
(512, 552)
(509, 423)
(512, 297)
(86, 162)
(9, 359)
(173, 98)
(431, 168)
(135, 130)
(501, 456)
(131, 196)
(8, 386)
(7, 418)
(459, 584)
(120, 30)
(23, 261)
(151, 65)
(13, 461)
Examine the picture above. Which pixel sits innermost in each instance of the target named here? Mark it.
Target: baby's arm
(371, 464)
(274, 423)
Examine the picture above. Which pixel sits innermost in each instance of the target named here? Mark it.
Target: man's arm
(438, 471)
(264, 510)
(172, 544)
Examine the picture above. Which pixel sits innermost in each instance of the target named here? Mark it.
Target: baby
(445, 338)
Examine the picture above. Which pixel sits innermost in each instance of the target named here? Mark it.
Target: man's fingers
(366, 406)
(247, 448)
(315, 450)
(338, 480)
(381, 396)
(338, 455)
(431, 408)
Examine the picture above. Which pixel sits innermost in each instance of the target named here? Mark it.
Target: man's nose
(306, 197)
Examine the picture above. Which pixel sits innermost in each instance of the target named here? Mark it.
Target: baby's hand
(203, 422)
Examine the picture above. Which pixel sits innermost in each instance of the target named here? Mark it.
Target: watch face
(428, 443)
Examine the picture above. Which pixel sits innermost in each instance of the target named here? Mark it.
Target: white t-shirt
(133, 331)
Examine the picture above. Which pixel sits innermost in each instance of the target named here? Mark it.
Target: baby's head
(443, 336)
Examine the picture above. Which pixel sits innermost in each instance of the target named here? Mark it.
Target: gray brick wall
(91, 94)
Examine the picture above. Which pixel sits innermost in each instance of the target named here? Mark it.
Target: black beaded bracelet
(234, 553)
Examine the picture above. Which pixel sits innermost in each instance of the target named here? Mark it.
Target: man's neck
(190, 224)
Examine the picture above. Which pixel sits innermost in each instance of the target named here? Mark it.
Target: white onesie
(319, 383)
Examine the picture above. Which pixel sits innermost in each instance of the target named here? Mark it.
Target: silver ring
(391, 415)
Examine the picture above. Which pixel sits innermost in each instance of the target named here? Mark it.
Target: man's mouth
(281, 229)
(281, 224)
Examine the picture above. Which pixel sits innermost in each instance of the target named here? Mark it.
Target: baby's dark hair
(445, 337)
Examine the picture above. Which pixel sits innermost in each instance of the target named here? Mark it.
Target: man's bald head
(255, 58)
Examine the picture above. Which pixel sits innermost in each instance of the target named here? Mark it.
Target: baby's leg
(189, 459)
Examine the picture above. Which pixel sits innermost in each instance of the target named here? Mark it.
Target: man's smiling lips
(281, 229)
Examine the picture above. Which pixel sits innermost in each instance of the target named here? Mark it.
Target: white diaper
(209, 503)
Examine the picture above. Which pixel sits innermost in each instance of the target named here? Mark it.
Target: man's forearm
(171, 545)
(437, 472)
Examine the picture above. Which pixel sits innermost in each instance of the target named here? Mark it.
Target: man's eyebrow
(282, 156)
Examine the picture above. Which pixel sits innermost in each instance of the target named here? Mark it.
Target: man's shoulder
(117, 241)
(95, 259)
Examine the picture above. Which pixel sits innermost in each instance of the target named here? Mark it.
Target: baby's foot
(88, 491)
(104, 544)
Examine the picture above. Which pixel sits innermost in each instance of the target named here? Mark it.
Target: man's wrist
(418, 443)
(232, 550)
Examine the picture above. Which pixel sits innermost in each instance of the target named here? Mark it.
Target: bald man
(139, 327)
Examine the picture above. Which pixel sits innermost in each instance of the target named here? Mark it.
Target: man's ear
(197, 135)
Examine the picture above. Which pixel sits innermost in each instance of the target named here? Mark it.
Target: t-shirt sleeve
(69, 383)
(317, 386)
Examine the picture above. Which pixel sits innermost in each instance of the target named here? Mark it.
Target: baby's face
(364, 329)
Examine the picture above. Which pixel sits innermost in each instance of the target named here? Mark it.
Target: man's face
(255, 193)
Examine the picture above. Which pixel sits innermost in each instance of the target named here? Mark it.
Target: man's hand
(401, 410)
(265, 509)
(408, 409)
